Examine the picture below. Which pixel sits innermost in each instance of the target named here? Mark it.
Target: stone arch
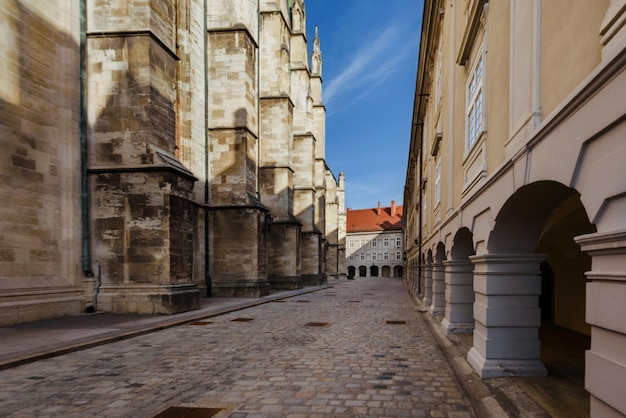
(398, 271)
(462, 245)
(534, 233)
(386, 271)
(362, 271)
(527, 214)
(351, 271)
(374, 271)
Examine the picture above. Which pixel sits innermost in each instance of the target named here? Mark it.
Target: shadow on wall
(40, 170)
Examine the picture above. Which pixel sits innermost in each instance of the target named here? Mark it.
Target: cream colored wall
(570, 46)
(497, 72)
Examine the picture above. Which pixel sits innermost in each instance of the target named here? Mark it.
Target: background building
(374, 242)
(516, 186)
(157, 152)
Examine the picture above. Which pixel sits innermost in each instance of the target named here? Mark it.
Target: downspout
(537, 109)
(207, 275)
(84, 185)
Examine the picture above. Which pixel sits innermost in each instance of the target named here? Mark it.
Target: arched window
(374, 271)
(362, 271)
(351, 271)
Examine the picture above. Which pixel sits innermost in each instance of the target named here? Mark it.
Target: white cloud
(369, 67)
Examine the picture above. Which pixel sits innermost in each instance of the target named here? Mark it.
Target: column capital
(603, 242)
(509, 264)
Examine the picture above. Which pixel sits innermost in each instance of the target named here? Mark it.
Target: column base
(149, 299)
(487, 368)
(241, 288)
(437, 310)
(313, 279)
(457, 327)
(286, 283)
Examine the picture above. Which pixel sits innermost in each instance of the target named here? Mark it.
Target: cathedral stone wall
(40, 227)
(158, 152)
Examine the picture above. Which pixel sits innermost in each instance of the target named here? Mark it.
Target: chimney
(393, 208)
(378, 210)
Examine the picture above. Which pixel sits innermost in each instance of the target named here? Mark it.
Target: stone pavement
(356, 349)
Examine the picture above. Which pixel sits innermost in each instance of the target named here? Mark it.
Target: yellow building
(515, 196)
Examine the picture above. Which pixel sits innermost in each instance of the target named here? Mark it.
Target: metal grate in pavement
(317, 324)
(243, 319)
(396, 322)
(200, 323)
(187, 412)
(303, 301)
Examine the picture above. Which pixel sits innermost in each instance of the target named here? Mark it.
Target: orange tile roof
(374, 219)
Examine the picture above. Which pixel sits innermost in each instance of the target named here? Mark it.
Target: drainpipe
(84, 186)
(207, 275)
(537, 109)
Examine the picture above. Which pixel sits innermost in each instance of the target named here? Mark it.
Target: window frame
(474, 96)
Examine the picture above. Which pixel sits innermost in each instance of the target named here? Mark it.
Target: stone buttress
(142, 216)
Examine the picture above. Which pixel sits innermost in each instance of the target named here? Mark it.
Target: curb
(158, 325)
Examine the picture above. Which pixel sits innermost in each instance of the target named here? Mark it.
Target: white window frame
(398, 241)
(385, 256)
(373, 256)
(385, 242)
(475, 103)
(362, 256)
(374, 242)
(398, 255)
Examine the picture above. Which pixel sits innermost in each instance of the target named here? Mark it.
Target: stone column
(507, 315)
(428, 284)
(422, 281)
(459, 315)
(237, 220)
(142, 216)
(605, 362)
(276, 146)
(438, 306)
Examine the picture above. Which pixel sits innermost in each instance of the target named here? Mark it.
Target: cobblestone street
(357, 349)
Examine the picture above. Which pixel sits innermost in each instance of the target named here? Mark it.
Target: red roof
(374, 219)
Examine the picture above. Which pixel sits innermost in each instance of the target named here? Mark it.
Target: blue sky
(369, 56)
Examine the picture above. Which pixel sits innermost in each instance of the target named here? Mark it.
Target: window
(398, 241)
(362, 242)
(385, 256)
(362, 256)
(386, 242)
(398, 255)
(373, 256)
(351, 257)
(475, 104)
(438, 182)
(374, 242)
(351, 243)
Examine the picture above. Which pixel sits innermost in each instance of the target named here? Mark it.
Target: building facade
(374, 242)
(516, 185)
(158, 152)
